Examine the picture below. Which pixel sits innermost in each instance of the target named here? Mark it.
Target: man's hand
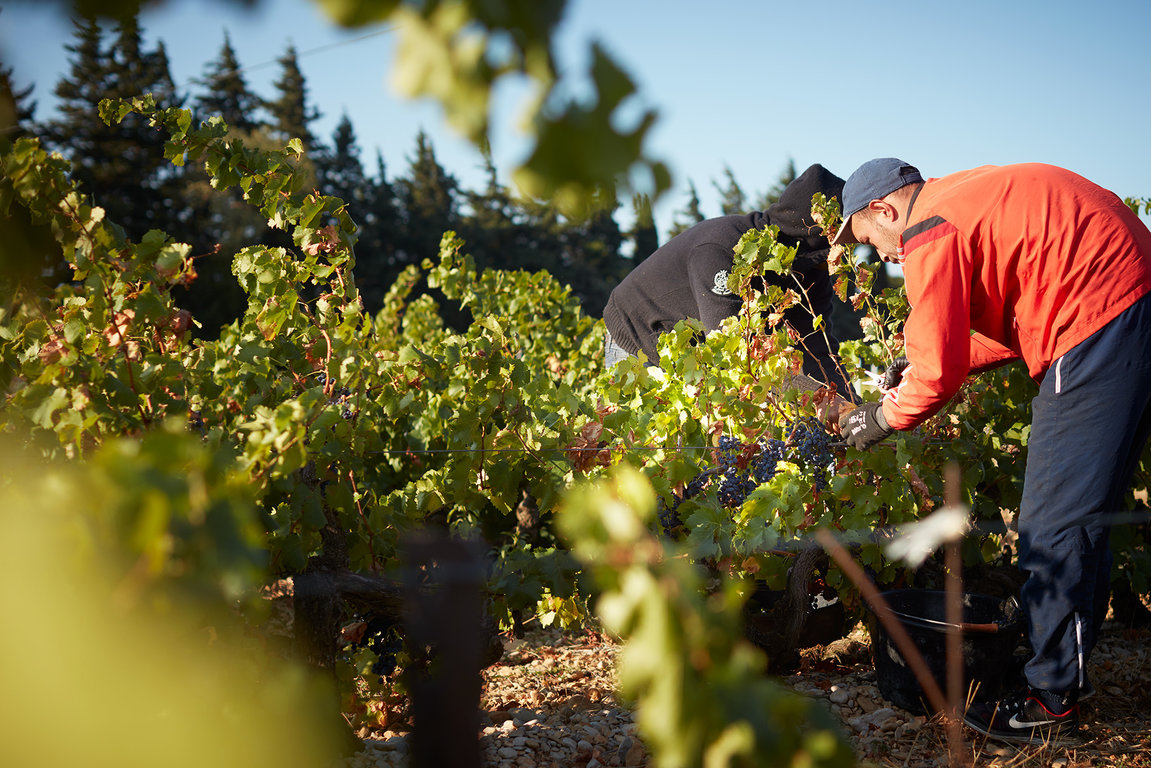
(865, 426)
(894, 374)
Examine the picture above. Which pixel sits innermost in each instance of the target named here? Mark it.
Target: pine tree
(772, 195)
(590, 259)
(29, 254)
(226, 92)
(339, 171)
(17, 112)
(510, 232)
(732, 199)
(122, 166)
(689, 216)
(489, 227)
(292, 115)
(427, 198)
(643, 234)
(79, 129)
(379, 229)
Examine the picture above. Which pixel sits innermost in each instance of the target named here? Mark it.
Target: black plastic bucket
(990, 631)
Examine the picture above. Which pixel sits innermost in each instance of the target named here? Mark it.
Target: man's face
(877, 230)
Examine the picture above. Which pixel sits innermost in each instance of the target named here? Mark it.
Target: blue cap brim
(845, 233)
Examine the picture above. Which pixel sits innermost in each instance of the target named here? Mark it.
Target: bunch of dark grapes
(669, 519)
(697, 484)
(341, 397)
(741, 467)
(810, 446)
(382, 637)
(771, 452)
(734, 472)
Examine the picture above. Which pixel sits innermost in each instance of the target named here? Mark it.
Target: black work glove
(865, 426)
(894, 373)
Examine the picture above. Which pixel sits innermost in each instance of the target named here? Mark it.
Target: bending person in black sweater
(687, 277)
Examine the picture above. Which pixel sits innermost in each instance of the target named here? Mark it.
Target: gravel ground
(551, 703)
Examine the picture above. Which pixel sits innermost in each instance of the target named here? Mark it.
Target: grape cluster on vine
(771, 452)
(669, 519)
(741, 467)
(744, 467)
(381, 635)
(735, 481)
(341, 397)
(810, 446)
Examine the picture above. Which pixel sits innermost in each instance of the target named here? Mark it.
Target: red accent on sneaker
(1074, 707)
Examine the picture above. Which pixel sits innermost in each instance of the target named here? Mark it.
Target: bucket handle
(989, 628)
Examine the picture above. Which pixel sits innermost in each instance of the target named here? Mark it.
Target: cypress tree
(510, 232)
(219, 222)
(339, 171)
(590, 259)
(489, 227)
(76, 133)
(376, 262)
(428, 205)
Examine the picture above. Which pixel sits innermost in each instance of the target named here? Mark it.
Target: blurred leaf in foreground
(96, 672)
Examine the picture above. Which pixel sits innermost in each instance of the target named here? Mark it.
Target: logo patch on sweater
(720, 288)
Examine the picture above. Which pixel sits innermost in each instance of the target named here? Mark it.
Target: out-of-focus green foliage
(702, 695)
(116, 631)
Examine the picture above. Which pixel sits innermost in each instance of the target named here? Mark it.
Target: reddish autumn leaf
(118, 330)
(328, 240)
(51, 351)
(354, 632)
(592, 431)
(587, 450)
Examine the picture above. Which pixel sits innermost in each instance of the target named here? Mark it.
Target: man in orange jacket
(1036, 263)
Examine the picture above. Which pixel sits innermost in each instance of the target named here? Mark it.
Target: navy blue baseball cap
(873, 180)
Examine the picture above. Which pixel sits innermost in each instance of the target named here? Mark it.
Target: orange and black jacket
(1009, 262)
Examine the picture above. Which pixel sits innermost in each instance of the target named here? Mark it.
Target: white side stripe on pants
(1082, 651)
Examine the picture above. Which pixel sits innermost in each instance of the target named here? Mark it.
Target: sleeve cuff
(880, 419)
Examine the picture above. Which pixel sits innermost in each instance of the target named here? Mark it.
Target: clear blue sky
(741, 84)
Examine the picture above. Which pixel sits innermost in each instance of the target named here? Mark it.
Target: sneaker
(1025, 718)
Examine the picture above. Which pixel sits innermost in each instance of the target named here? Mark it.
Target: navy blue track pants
(1089, 424)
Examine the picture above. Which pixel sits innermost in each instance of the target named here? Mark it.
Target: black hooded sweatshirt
(687, 276)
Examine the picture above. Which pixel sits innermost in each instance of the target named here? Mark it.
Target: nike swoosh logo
(1015, 722)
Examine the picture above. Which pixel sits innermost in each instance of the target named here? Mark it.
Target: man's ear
(883, 209)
